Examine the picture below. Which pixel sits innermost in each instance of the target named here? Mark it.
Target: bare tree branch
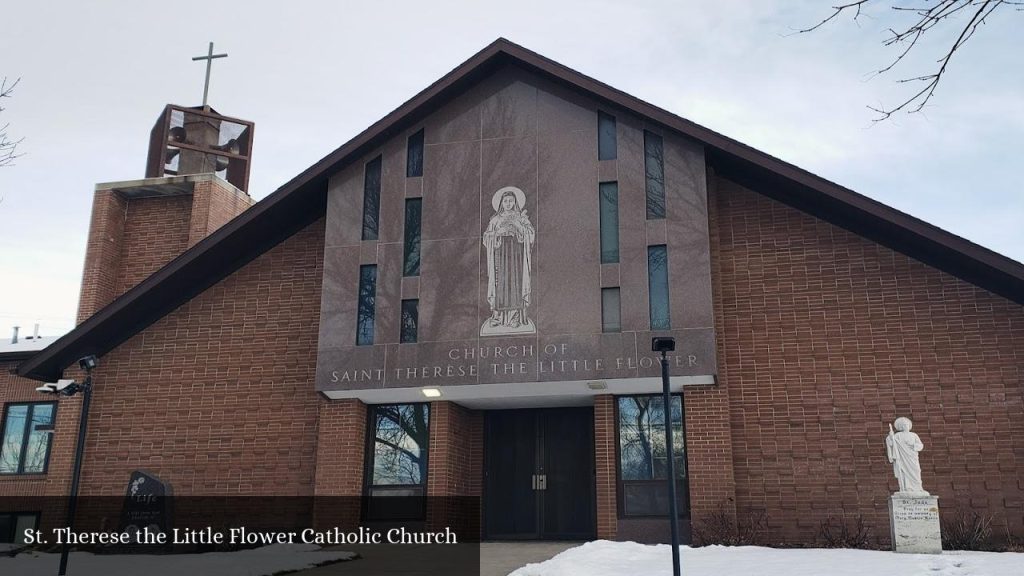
(8, 147)
(927, 17)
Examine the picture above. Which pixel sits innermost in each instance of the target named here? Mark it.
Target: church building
(461, 301)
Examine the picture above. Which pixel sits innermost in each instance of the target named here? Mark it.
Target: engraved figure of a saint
(902, 447)
(509, 240)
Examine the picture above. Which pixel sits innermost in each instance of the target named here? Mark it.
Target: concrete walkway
(500, 558)
(496, 559)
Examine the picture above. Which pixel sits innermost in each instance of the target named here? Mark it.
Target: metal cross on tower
(209, 61)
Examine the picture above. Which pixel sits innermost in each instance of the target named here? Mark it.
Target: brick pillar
(604, 453)
(214, 203)
(340, 456)
(455, 466)
(102, 253)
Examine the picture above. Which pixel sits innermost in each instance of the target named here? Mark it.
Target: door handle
(542, 482)
(533, 482)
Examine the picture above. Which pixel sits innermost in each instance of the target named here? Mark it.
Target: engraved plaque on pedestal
(914, 523)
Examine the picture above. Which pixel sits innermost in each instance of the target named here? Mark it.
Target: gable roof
(302, 200)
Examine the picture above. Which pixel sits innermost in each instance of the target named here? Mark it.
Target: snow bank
(256, 562)
(604, 558)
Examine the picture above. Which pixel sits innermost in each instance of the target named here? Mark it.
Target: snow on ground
(255, 562)
(604, 558)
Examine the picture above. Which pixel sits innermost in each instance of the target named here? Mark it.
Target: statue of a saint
(902, 447)
(509, 240)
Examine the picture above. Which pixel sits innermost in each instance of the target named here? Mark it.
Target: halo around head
(520, 197)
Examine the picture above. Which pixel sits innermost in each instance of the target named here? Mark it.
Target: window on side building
(643, 460)
(13, 526)
(396, 477)
(366, 308)
(27, 434)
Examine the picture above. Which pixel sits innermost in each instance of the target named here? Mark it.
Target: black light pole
(70, 388)
(666, 345)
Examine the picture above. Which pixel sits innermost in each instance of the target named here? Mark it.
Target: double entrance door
(539, 474)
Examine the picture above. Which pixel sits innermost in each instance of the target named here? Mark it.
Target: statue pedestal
(914, 523)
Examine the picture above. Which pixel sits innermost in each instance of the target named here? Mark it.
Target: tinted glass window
(611, 320)
(410, 320)
(654, 168)
(401, 437)
(413, 218)
(643, 456)
(367, 305)
(414, 155)
(609, 200)
(657, 273)
(371, 200)
(606, 138)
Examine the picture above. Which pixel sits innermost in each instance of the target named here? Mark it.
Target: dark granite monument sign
(147, 504)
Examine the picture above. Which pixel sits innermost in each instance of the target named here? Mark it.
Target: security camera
(62, 386)
(88, 363)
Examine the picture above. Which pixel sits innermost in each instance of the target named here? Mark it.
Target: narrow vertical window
(367, 305)
(607, 142)
(657, 281)
(654, 168)
(414, 155)
(611, 310)
(410, 320)
(609, 199)
(371, 199)
(413, 217)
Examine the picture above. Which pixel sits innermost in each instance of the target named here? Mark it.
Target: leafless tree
(8, 147)
(917, 19)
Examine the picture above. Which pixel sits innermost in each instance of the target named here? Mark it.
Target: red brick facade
(824, 338)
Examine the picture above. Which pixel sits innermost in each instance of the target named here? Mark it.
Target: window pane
(401, 437)
(414, 155)
(654, 166)
(642, 450)
(371, 199)
(413, 217)
(24, 522)
(657, 283)
(13, 439)
(611, 320)
(651, 498)
(38, 441)
(410, 320)
(609, 199)
(367, 298)
(606, 138)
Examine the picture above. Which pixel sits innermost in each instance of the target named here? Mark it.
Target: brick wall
(218, 397)
(340, 458)
(826, 337)
(455, 467)
(605, 454)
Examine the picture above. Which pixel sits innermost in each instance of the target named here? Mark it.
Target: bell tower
(197, 180)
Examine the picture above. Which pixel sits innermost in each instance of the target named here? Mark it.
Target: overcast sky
(311, 75)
